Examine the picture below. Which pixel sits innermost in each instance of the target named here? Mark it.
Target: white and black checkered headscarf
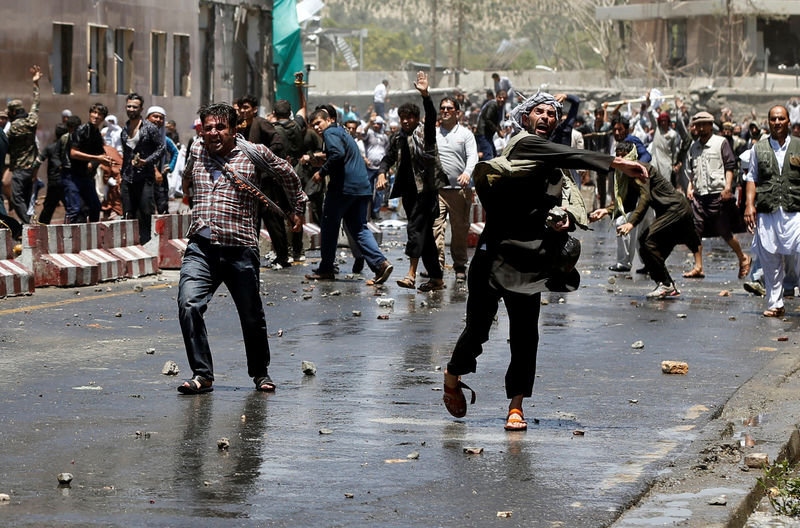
(525, 107)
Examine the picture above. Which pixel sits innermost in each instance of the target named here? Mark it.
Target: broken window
(158, 63)
(98, 59)
(61, 58)
(123, 60)
(181, 64)
(676, 38)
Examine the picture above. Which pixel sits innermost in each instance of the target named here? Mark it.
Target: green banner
(287, 50)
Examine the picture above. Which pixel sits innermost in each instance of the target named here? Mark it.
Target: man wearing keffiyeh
(518, 253)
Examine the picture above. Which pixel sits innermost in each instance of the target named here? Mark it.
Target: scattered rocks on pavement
(150, 351)
(637, 345)
(756, 460)
(223, 443)
(721, 500)
(473, 450)
(308, 368)
(64, 478)
(674, 367)
(170, 368)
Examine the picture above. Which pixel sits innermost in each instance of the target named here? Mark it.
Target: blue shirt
(344, 164)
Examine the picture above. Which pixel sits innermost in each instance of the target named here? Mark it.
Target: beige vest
(706, 166)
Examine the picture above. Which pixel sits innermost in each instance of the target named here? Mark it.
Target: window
(98, 59)
(158, 63)
(123, 60)
(61, 58)
(676, 38)
(181, 64)
(205, 43)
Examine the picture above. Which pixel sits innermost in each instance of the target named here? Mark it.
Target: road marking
(77, 300)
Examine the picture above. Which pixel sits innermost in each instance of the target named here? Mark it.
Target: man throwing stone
(518, 254)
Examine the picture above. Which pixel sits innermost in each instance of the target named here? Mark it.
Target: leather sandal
(196, 385)
(516, 421)
(694, 273)
(264, 383)
(775, 312)
(407, 282)
(744, 267)
(455, 401)
(432, 285)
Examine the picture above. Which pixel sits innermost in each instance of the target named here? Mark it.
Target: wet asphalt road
(77, 385)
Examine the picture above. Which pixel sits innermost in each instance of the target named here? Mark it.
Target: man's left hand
(422, 83)
(463, 180)
(317, 177)
(726, 194)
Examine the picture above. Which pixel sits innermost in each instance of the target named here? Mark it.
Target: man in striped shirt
(223, 242)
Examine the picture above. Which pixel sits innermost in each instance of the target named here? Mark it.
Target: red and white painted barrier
(121, 239)
(311, 236)
(168, 239)
(15, 279)
(68, 255)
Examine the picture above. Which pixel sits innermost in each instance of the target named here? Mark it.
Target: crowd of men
(526, 157)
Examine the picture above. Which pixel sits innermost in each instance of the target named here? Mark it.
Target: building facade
(711, 37)
(177, 54)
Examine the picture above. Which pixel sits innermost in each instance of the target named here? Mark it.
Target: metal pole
(432, 79)
(766, 66)
(458, 40)
(361, 51)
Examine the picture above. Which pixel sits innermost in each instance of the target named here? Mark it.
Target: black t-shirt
(87, 139)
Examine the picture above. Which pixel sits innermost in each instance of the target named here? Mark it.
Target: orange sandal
(516, 421)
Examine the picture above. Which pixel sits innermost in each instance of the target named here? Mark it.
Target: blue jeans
(204, 268)
(353, 210)
(77, 188)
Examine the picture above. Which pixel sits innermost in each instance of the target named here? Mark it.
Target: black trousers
(55, 194)
(421, 211)
(523, 318)
(161, 193)
(657, 241)
(137, 202)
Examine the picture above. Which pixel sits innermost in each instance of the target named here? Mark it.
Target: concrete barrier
(68, 255)
(121, 239)
(168, 239)
(15, 279)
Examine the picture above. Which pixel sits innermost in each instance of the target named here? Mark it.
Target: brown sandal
(775, 312)
(516, 421)
(455, 401)
(694, 273)
(744, 267)
(407, 282)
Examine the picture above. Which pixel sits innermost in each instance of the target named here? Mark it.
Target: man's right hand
(37, 73)
(597, 214)
(381, 183)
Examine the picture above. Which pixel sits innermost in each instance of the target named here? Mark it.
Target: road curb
(712, 464)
